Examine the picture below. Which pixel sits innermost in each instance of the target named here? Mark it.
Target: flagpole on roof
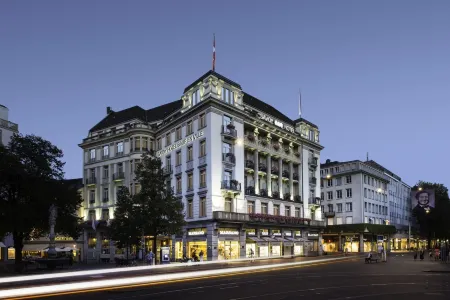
(214, 53)
(299, 103)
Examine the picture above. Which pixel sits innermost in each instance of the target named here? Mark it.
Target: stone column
(291, 180)
(256, 175)
(280, 177)
(269, 175)
(361, 242)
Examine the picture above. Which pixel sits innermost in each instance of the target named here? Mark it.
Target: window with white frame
(178, 133)
(202, 178)
(348, 206)
(276, 210)
(264, 209)
(179, 185)
(228, 204)
(202, 207)
(329, 182)
(202, 121)
(330, 195)
(189, 128)
(190, 209)
(349, 193)
(190, 181)
(339, 194)
(105, 151)
(168, 140)
(119, 148)
(349, 220)
(348, 179)
(338, 181)
(287, 211)
(339, 207)
(203, 148)
(92, 154)
(178, 158)
(195, 97)
(190, 153)
(227, 96)
(250, 207)
(298, 213)
(91, 196)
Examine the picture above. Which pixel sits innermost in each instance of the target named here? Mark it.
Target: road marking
(97, 276)
(379, 284)
(230, 287)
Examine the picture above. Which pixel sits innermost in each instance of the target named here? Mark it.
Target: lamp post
(53, 213)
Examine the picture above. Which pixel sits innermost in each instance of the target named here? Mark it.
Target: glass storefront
(249, 247)
(228, 250)
(194, 249)
(263, 251)
(276, 249)
(298, 249)
(399, 244)
(178, 250)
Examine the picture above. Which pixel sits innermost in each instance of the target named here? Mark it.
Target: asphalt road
(400, 278)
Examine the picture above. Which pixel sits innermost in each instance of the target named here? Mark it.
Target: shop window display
(228, 250)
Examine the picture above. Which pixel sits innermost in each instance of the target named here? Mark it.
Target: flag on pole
(214, 54)
(299, 103)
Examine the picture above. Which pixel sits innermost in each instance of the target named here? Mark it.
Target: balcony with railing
(167, 170)
(230, 216)
(262, 167)
(250, 190)
(118, 176)
(231, 186)
(91, 181)
(329, 214)
(9, 125)
(228, 158)
(275, 194)
(287, 196)
(261, 144)
(314, 201)
(228, 131)
(313, 162)
(249, 164)
(298, 199)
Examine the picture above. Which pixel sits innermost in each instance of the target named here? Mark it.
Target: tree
(124, 228)
(31, 180)
(436, 224)
(159, 212)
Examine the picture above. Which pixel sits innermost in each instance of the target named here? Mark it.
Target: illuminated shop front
(400, 244)
(228, 245)
(330, 243)
(288, 244)
(178, 249)
(263, 247)
(196, 244)
(250, 244)
(351, 243)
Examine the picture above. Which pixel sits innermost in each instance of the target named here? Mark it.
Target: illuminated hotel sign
(228, 232)
(179, 144)
(275, 122)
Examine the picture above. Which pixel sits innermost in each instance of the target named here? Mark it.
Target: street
(400, 278)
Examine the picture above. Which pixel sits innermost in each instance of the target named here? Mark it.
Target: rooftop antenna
(367, 156)
(299, 103)
(214, 53)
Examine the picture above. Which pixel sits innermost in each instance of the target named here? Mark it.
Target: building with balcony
(245, 172)
(355, 206)
(7, 129)
(400, 209)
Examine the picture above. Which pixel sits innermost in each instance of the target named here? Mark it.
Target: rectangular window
(158, 144)
(105, 195)
(202, 121)
(105, 151)
(202, 212)
(168, 141)
(226, 120)
(349, 193)
(190, 181)
(202, 178)
(227, 96)
(190, 153)
(264, 209)
(203, 148)
(348, 179)
(276, 210)
(348, 206)
(190, 209)
(250, 207)
(105, 214)
(178, 158)
(338, 181)
(189, 128)
(365, 192)
(119, 148)
(105, 173)
(330, 182)
(91, 196)
(322, 196)
(339, 207)
(228, 205)
(287, 211)
(297, 212)
(179, 185)
(330, 195)
(137, 144)
(195, 97)
(330, 207)
(339, 194)
(120, 168)
(92, 154)
(349, 220)
(92, 215)
(145, 144)
(178, 133)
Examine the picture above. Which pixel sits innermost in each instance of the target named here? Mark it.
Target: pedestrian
(150, 257)
(251, 254)
(201, 255)
(71, 258)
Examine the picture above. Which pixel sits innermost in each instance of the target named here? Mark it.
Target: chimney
(108, 110)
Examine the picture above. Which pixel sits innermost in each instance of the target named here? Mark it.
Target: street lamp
(328, 176)
(420, 189)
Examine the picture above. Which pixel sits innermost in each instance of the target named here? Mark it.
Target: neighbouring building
(7, 129)
(399, 198)
(355, 205)
(246, 173)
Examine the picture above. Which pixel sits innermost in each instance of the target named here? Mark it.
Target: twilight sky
(375, 75)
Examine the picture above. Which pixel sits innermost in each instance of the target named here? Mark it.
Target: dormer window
(195, 97)
(311, 135)
(227, 96)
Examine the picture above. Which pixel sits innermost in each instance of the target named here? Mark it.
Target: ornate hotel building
(246, 174)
